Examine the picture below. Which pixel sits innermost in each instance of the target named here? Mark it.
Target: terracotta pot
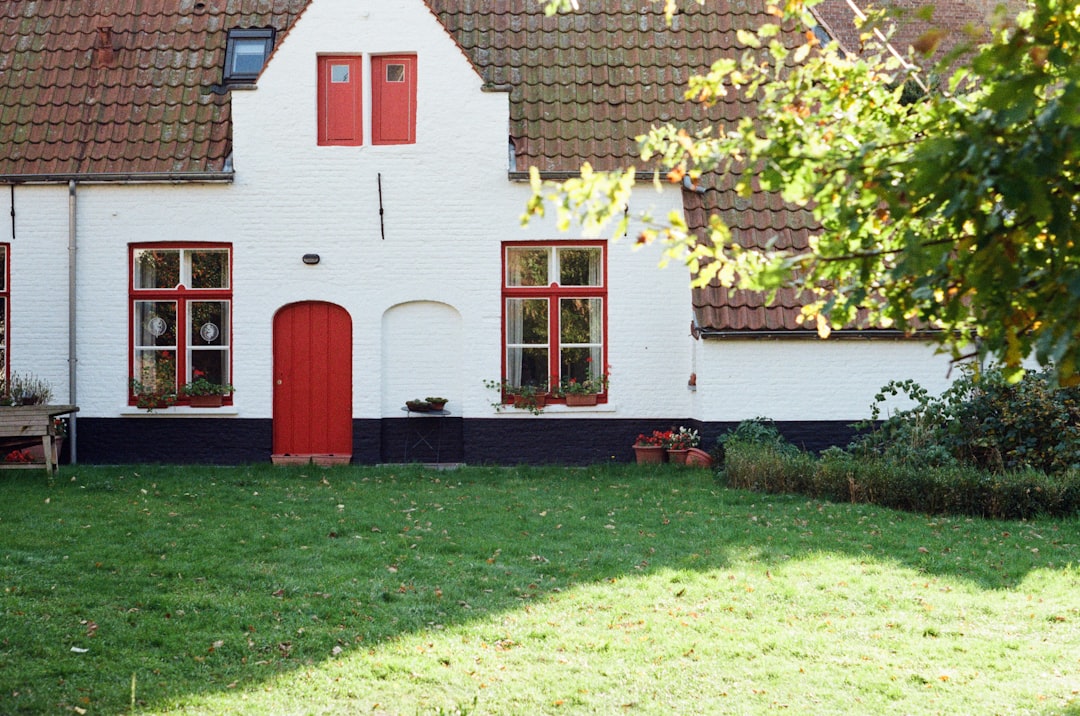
(650, 454)
(539, 400)
(205, 401)
(37, 452)
(677, 457)
(579, 399)
(696, 457)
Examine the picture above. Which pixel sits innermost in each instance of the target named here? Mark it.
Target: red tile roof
(583, 85)
(138, 99)
(119, 87)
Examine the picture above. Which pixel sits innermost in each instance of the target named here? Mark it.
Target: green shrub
(840, 476)
(981, 421)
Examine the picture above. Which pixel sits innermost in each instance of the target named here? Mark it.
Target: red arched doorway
(312, 383)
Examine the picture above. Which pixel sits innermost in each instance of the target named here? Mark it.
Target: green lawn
(611, 590)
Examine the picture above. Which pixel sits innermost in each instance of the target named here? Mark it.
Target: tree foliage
(955, 212)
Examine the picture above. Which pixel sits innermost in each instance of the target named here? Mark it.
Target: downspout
(73, 360)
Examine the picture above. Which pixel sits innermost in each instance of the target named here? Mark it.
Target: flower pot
(676, 456)
(579, 399)
(650, 454)
(205, 401)
(37, 452)
(528, 401)
(437, 405)
(696, 457)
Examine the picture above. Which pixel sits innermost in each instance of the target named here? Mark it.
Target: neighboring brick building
(338, 232)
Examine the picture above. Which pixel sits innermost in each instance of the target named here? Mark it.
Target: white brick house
(185, 213)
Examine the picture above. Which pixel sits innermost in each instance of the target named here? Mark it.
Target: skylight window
(246, 52)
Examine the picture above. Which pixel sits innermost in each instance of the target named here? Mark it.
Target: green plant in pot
(202, 392)
(524, 397)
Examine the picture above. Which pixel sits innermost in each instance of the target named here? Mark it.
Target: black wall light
(311, 259)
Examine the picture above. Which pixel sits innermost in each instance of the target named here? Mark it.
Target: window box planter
(580, 399)
(206, 401)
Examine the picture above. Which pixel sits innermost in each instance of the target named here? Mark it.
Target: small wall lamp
(311, 259)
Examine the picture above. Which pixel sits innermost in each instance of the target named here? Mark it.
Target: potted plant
(204, 393)
(152, 395)
(583, 392)
(436, 403)
(524, 397)
(652, 448)
(25, 389)
(679, 443)
(417, 406)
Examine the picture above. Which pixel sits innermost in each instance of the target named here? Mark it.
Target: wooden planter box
(26, 425)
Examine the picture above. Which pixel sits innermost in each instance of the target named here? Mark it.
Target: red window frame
(553, 292)
(5, 314)
(182, 296)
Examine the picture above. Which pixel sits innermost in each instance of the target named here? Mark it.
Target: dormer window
(246, 52)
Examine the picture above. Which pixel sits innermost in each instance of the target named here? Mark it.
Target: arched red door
(312, 382)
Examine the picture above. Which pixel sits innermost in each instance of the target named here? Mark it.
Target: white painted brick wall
(808, 379)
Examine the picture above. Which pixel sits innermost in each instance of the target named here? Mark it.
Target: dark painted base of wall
(479, 441)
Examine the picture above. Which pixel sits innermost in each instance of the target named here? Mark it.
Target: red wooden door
(312, 380)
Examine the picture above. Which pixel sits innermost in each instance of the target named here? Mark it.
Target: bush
(839, 476)
(981, 421)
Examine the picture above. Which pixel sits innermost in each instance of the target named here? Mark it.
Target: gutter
(517, 176)
(863, 334)
(118, 177)
(73, 358)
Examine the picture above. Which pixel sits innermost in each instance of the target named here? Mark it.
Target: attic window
(246, 52)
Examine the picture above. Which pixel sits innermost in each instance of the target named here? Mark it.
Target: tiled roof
(120, 86)
(754, 221)
(583, 85)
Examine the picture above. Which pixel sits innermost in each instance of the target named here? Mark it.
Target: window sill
(560, 410)
(180, 411)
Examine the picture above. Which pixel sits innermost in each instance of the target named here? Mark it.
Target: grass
(617, 589)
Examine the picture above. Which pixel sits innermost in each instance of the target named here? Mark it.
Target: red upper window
(393, 99)
(341, 105)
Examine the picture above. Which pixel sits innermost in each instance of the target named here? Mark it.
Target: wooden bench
(21, 425)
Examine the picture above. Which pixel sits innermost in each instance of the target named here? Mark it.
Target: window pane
(155, 324)
(209, 269)
(533, 320)
(533, 368)
(155, 371)
(579, 320)
(395, 73)
(526, 266)
(339, 73)
(581, 337)
(580, 267)
(209, 323)
(212, 364)
(3, 268)
(249, 56)
(157, 268)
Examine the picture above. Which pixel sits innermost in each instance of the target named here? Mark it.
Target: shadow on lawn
(226, 576)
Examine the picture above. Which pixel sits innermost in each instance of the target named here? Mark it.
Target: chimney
(104, 54)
